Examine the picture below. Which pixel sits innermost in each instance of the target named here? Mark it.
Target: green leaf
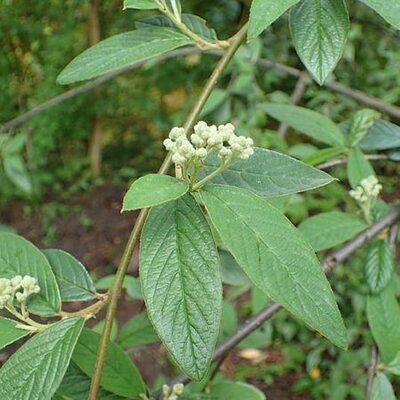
(257, 235)
(195, 23)
(319, 32)
(131, 285)
(181, 283)
(382, 388)
(216, 99)
(73, 280)
(14, 145)
(15, 169)
(36, 370)
(383, 313)
(329, 229)
(76, 386)
(358, 167)
(311, 123)
(236, 391)
(231, 272)
(387, 9)
(137, 331)
(264, 12)
(152, 190)
(394, 366)
(9, 333)
(267, 173)
(120, 375)
(140, 4)
(121, 50)
(361, 122)
(382, 135)
(378, 265)
(323, 155)
(20, 257)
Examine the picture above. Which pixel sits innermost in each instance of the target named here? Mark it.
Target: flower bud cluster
(18, 288)
(205, 139)
(174, 393)
(368, 189)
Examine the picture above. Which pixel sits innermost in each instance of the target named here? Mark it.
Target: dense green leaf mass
(311, 123)
(267, 173)
(387, 9)
(36, 370)
(329, 229)
(9, 333)
(319, 32)
(264, 12)
(383, 313)
(152, 190)
(276, 257)
(20, 257)
(121, 50)
(120, 375)
(378, 265)
(358, 167)
(181, 283)
(73, 280)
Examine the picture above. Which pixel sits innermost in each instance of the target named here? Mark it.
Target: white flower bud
(21, 297)
(169, 145)
(225, 152)
(176, 133)
(214, 140)
(197, 140)
(16, 281)
(5, 287)
(246, 153)
(177, 158)
(4, 299)
(201, 153)
(178, 389)
(226, 131)
(165, 390)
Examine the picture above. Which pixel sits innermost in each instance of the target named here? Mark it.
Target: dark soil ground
(91, 227)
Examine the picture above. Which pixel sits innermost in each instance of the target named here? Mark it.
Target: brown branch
(329, 263)
(371, 101)
(296, 96)
(371, 372)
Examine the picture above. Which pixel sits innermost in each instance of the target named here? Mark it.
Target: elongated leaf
(131, 285)
(323, 155)
(394, 366)
(138, 331)
(378, 265)
(268, 173)
(140, 4)
(121, 50)
(382, 135)
(15, 169)
(258, 236)
(329, 229)
(72, 277)
(362, 121)
(387, 9)
(9, 333)
(153, 190)
(99, 327)
(76, 386)
(383, 313)
(216, 99)
(120, 375)
(382, 388)
(181, 282)
(319, 32)
(36, 370)
(20, 257)
(309, 122)
(195, 23)
(14, 145)
(236, 391)
(264, 12)
(358, 167)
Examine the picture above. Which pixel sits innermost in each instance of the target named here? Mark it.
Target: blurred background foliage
(139, 107)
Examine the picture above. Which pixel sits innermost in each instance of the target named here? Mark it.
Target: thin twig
(371, 101)
(296, 96)
(371, 372)
(134, 237)
(343, 160)
(329, 263)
